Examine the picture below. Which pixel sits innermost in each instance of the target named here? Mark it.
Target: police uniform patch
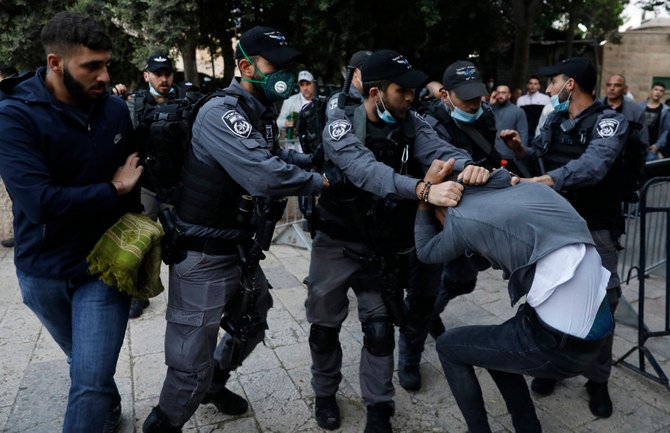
(338, 128)
(237, 124)
(607, 127)
(332, 103)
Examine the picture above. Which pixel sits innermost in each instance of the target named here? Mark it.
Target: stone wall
(641, 55)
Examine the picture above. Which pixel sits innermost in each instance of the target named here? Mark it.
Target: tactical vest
(566, 139)
(349, 213)
(485, 126)
(210, 197)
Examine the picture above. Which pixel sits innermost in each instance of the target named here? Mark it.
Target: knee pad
(378, 336)
(454, 289)
(323, 339)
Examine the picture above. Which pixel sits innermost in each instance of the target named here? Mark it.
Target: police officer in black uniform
(579, 154)
(234, 155)
(461, 118)
(364, 238)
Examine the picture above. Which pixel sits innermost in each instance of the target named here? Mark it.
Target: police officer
(579, 155)
(381, 149)
(159, 76)
(461, 118)
(234, 154)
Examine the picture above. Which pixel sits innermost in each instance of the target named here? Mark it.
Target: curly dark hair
(66, 31)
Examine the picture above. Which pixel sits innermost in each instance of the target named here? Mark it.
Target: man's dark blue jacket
(57, 162)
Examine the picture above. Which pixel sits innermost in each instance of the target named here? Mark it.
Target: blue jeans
(508, 351)
(88, 321)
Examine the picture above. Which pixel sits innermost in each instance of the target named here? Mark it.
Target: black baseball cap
(579, 69)
(359, 57)
(389, 65)
(158, 61)
(464, 78)
(268, 43)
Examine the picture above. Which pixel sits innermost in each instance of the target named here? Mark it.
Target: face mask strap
(265, 77)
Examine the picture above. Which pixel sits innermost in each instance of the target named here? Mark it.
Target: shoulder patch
(338, 128)
(237, 124)
(332, 103)
(607, 127)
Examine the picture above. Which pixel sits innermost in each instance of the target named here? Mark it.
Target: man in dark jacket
(67, 164)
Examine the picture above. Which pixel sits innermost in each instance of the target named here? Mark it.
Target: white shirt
(537, 98)
(292, 104)
(568, 288)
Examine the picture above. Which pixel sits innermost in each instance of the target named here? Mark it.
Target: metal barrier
(652, 216)
(289, 230)
(657, 195)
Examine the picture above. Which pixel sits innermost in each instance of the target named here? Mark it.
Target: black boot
(410, 377)
(113, 419)
(599, 399)
(157, 422)
(327, 413)
(543, 386)
(225, 400)
(379, 418)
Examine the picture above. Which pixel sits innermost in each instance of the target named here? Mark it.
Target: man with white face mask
(376, 154)
(579, 155)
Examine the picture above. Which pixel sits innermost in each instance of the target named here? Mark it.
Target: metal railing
(649, 237)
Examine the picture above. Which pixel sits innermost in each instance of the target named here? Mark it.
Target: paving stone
(20, 326)
(280, 278)
(148, 376)
(242, 425)
(294, 355)
(147, 334)
(283, 329)
(262, 358)
(270, 385)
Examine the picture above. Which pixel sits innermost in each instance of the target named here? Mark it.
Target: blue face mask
(464, 116)
(385, 116)
(560, 107)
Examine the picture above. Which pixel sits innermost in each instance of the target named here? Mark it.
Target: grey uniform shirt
(223, 135)
(510, 226)
(509, 116)
(607, 140)
(342, 146)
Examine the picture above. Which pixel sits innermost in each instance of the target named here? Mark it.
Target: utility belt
(222, 247)
(548, 336)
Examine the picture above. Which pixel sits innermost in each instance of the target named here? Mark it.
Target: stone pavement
(275, 379)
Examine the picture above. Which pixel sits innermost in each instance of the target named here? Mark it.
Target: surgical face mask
(277, 85)
(157, 93)
(560, 107)
(385, 115)
(464, 116)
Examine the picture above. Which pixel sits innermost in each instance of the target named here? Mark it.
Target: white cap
(305, 76)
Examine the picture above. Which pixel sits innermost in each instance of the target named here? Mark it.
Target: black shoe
(599, 401)
(327, 413)
(379, 418)
(7, 243)
(157, 422)
(436, 327)
(410, 377)
(227, 402)
(543, 386)
(137, 306)
(113, 420)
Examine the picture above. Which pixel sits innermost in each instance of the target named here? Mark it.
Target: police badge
(607, 127)
(237, 124)
(338, 128)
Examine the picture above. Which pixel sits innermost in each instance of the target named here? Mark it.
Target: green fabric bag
(128, 256)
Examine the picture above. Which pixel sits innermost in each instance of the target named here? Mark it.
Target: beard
(77, 90)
